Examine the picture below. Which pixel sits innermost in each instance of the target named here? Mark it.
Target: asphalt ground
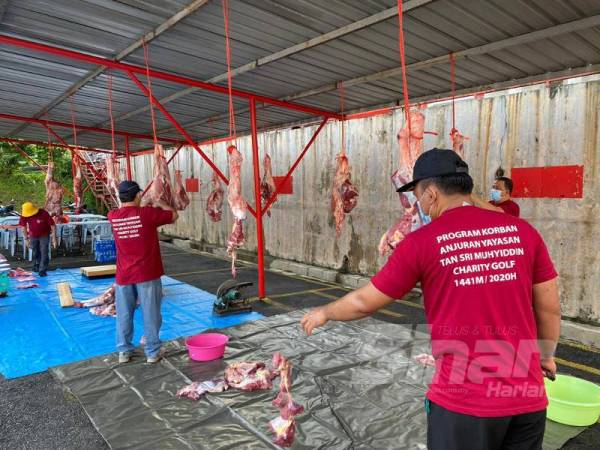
(35, 413)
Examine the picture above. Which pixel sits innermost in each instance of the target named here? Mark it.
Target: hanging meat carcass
(267, 184)
(410, 149)
(345, 194)
(54, 194)
(112, 178)
(160, 190)
(180, 197)
(77, 185)
(237, 204)
(214, 204)
(458, 142)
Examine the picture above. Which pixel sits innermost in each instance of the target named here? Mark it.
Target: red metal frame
(45, 48)
(131, 71)
(56, 123)
(257, 200)
(45, 144)
(184, 133)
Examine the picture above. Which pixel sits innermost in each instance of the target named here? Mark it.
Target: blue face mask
(495, 195)
(425, 218)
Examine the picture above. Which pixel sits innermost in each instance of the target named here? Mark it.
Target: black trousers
(39, 247)
(447, 430)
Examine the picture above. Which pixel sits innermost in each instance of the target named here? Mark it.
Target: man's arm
(546, 307)
(162, 205)
(353, 306)
(480, 203)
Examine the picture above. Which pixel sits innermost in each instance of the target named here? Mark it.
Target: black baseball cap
(433, 163)
(129, 188)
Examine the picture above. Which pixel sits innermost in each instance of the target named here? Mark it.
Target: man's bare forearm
(546, 306)
(349, 307)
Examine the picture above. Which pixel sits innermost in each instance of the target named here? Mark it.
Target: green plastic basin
(573, 401)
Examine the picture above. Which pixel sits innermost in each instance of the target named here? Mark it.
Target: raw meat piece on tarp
(24, 279)
(410, 150)
(345, 194)
(77, 185)
(197, 389)
(214, 204)
(180, 197)
(160, 190)
(54, 194)
(249, 376)
(237, 204)
(19, 272)
(458, 142)
(103, 305)
(425, 359)
(112, 178)
(285, 431)
(284, 426)
(27, 286)
(267, 184)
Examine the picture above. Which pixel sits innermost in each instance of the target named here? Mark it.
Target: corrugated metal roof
(195, 47)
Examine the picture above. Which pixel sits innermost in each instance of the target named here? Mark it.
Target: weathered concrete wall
(534, 126)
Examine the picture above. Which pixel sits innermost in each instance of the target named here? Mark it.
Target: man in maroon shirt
(500, 198)
(38, 226)
(491, 302)
(139, 268)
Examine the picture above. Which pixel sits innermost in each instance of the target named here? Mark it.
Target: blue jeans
(39, 248)
(149, 294)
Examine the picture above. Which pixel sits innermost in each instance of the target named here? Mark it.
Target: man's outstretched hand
(315, 318)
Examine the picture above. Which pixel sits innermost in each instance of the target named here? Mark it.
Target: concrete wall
(533, 126)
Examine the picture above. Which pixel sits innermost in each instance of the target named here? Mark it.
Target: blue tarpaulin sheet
(36, 333)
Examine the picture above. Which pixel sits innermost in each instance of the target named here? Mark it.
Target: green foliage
(23, 181)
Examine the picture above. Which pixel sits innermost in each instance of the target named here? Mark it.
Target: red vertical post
(128, 156)
(257, 200)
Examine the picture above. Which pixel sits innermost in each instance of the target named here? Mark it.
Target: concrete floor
(36, 414)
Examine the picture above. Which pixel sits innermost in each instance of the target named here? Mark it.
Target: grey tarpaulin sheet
(358, 383)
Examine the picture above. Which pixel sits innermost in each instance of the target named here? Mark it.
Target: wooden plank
(99, 271)
(65, 295)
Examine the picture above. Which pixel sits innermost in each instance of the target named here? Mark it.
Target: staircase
(97, 184)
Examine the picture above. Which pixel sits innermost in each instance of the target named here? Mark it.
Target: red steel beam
(56, 123)
(257, 200)
(184, 133)
(289, 174)
(46, 144)
(70, 54)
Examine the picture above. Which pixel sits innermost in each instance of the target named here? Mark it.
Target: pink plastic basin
(206, 346)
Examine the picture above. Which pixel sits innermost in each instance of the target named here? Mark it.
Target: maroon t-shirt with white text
(477, 268)
(136, 239)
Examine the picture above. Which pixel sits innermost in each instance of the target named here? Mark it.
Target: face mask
(495, 195)
(425, 218)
